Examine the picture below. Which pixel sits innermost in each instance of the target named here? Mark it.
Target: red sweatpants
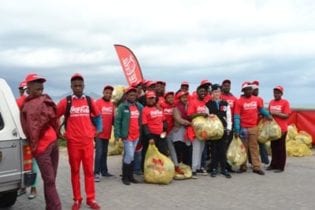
(84, 154)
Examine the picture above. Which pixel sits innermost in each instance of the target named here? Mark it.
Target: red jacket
(37, 116)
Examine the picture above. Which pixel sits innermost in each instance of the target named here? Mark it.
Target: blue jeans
(263, 153)
(129, 150)
(100, 162)
(137, 158)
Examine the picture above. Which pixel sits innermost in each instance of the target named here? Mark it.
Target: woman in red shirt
(280, 110)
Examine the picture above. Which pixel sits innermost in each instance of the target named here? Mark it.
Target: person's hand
(269, 117)
(237, 135)
(117, 140)
(211, 115)
(204, 115)
(186, 122)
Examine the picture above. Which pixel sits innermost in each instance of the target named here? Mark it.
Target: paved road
(294, 189)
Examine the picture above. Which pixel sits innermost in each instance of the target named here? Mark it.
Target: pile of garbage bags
(298, 144)
(268, 130)
(208, 128)
(158, 169)
(236, 153)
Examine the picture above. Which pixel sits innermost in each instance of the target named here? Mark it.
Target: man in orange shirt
(80, 133)
(39, 123)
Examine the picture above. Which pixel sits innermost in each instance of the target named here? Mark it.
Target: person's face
(248, 91)
(35, 88)
(170, 99)
(255, 92)
(139, 90)
(277, 94)
(159, 88)
(216, 94)
(21, 91)
(132, 96)
(226, 87)
(184, 99)
(151, 101)
(201, 92)
(107, 94)
(184, 87)
(151, 88)
(77, 87)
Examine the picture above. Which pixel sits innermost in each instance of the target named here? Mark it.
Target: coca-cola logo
(168, 111)
(80, 111)
(156, 113)
(130, 67)
(202, 109)
(275, 108)
(250, 105)
(107, 110)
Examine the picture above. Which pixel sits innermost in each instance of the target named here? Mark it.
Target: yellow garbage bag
(208, 128)
(305, 138)
(236, 154)
(297, 149)
(117, 93)
(114, 147)
(158, 168)
(187, 172)
(292, 132)
(268, 131)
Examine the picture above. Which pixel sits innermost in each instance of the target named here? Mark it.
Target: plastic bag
(305, 138)
(236, 154)
(297, 149)
(114, 147)
(292, 132)
(117, 94)
(268, 131)
(158, 168)
(208, 128)
(187, 172)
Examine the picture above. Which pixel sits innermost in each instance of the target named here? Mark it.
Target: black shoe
(269, 168)
(125, 175)
(125, 181)
(259, 171)
(107, 174)
(226, 174)
(213, 173)
(278, 170)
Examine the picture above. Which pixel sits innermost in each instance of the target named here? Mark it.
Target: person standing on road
(127, 127)
(222, 110)
(247, 108)
(39, 123)
(80, 133)
(280, 110)
(107, 109)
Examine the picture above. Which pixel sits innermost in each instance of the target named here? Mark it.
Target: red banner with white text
(304, 119)
(129, 64)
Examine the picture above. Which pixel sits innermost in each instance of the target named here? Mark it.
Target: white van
(15, 155)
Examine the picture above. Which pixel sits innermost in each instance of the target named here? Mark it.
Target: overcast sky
(174, 40)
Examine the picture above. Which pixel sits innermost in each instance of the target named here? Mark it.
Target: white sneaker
(97, 178)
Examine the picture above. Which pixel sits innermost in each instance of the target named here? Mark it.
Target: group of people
(146, 112)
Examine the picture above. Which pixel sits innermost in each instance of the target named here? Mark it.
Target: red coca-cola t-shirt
(80, 129)
(107, 109)
(133, 132)
(248, 109)
(281, 106)
(168, 115)
(230, 99)
(153, 118)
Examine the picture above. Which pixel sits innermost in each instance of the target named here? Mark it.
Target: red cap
(108, 87)
(185, 83)
(22, 85)
(169, 93)
(150, 83)
(246, 85)
(129, 89)
(226, 81)
(205, 82)
(150, 94)
(279, 87)
(161, 82)
(77, 76)
(255, 84)
(181, 93)
(136, 84)
(34, 77)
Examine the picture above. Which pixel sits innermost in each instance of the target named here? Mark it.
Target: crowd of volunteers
(146, 112)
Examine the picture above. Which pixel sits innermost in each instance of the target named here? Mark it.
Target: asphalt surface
(293, 189)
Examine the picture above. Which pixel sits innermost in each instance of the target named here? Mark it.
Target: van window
(1, 122)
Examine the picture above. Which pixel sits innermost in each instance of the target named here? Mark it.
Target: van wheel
(8, 199)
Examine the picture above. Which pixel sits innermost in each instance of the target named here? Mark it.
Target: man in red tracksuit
(80, 133)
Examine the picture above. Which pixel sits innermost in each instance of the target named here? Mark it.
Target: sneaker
(33, 193)
(226, 174)
(139, 173)
(21, 191)
(269, 168)
(76, 205)
(278, 170)
(259, 172)
(93, 205)
(194, 175)
(202, 171)
(97, 178)
(213, 173)
(107, 174)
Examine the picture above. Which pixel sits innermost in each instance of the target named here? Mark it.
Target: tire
(8, 199)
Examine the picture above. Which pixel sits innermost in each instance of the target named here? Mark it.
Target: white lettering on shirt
(276, 108)
(156, 113)
(107, 110)
(250, 105)
(79, 111)
(134, 114)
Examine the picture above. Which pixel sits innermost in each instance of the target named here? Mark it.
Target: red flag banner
(129, 64)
